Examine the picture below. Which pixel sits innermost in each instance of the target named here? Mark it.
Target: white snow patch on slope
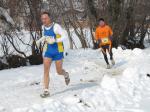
(93, 88)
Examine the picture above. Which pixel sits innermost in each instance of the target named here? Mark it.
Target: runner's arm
(110, 33)
(96, 35)
(43, 38)
(97, 38)
(59, 30)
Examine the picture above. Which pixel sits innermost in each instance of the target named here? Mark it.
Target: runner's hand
(99, 41)
(50, 40)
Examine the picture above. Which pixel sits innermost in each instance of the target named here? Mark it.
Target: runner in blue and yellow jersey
(53, 36)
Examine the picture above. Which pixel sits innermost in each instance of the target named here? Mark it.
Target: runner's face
(101, 23)
(45, 19)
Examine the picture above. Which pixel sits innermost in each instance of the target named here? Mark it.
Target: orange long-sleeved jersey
(103, 34)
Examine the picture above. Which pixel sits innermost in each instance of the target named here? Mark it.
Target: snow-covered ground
(124, 88)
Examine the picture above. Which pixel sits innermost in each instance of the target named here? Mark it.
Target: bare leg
(61, 71)
(47, 64)
(59, 68)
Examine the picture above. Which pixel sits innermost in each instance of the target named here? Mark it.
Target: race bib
(105, 40)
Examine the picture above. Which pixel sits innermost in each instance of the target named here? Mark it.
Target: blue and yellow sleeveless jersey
(55, 50)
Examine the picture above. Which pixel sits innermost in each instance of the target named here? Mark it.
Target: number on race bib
(105, 40)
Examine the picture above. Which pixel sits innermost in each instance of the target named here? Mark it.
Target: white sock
(46, 90)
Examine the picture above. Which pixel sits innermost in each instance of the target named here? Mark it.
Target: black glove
(97, 44)
(99, 41)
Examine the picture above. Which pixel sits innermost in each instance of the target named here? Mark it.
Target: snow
(25, 37)
(124, 88)
(3, 12)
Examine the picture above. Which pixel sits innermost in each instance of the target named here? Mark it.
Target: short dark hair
(45, 12)
(101, 19)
